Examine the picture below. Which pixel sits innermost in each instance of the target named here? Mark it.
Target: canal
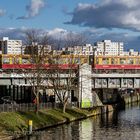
(122, 125)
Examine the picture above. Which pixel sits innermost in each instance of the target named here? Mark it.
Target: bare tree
(57, 72)
(31, 36)
(38, 53)
(63, 76)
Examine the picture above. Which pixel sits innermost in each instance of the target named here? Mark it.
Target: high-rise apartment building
(86, 49)
(10, 46)
(106, 47)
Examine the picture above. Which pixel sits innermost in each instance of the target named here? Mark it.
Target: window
(25, 60)
(105, 61)
(122, 60)
(112, 60)
(6, 60)
(130, 61)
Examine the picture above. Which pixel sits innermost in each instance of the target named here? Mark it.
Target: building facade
(10, 46)
(36, 48)
(107, 47)
(86, 49)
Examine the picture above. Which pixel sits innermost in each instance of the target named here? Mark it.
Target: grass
(18, 121)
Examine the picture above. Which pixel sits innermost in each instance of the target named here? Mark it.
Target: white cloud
(33, 9)
(82, 6)
(129, 3)
(58, 33)
(109, 14)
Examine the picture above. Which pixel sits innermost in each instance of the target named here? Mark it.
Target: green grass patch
(18, 121)
(12, 121)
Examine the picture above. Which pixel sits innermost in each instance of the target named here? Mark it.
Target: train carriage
(8, 62)
(116, 62)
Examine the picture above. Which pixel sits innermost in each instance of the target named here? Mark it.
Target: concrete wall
(133, 98)
(85, 86)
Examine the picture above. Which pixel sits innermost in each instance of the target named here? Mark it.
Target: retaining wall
(131, 98)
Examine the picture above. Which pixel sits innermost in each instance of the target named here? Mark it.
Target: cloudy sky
(118, 20)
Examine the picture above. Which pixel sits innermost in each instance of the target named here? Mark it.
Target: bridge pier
(96, 100)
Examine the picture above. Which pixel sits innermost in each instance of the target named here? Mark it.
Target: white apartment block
(106, 47)
(86, 49)
(27, 49)
(10, 46)
(44, 49)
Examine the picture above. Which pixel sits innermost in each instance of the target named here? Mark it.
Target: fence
(31, 106)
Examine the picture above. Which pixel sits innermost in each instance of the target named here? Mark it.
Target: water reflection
(112, 126)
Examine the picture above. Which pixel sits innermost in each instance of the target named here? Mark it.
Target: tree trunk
(37, 104)
(64, 107)
(37, 101)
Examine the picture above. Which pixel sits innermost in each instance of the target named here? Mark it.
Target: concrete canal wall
(128, 99)
(102, 110)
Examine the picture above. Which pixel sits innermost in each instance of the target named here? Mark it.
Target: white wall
(85, 86)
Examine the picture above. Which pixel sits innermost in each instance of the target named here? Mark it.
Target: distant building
(86, 49)
(10, 46)
(133, 53)
(106, 47)
(36, 48)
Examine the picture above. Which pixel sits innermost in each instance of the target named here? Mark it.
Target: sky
(118, 20)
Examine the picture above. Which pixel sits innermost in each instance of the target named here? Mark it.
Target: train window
(16, 60)
(105, 60)
(112, 60)
(6, 60)
(122, 60)
(25, 60)
(130, 61)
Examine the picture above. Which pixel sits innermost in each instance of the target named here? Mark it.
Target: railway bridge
(92, 88)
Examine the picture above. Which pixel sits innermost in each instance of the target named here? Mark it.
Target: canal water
(122, 125)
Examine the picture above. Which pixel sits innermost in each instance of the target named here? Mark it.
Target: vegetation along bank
(15, 124)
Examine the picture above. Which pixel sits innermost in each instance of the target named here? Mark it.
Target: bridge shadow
(111, 97)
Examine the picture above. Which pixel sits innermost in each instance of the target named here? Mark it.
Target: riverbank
(15, 124)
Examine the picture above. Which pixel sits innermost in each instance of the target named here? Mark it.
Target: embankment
(15, 124)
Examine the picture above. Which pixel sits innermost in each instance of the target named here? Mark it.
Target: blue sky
(118, 20)
(51, 15)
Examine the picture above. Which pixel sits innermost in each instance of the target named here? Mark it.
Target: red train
(116, 62)
(26, 62)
